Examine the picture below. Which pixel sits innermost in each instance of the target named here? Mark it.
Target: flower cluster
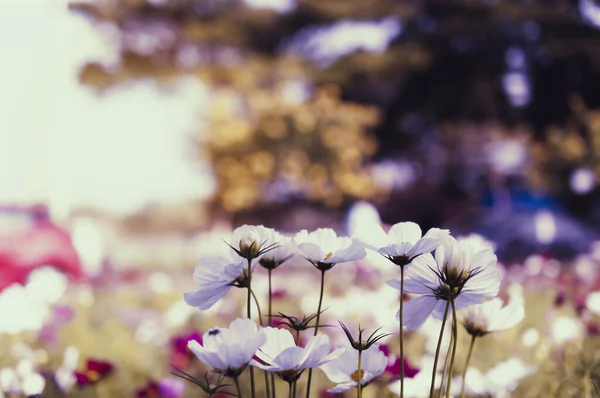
(446, 278)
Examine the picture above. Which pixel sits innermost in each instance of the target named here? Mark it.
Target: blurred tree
(426, 66)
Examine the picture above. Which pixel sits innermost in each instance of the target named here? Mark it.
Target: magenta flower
(181, 357)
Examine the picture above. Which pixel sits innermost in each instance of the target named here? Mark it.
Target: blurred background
(134, 134)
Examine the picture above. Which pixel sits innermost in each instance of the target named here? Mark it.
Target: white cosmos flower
(402, 243)
(344, 370)
(418, 386)
(281, 355)
(323, 248)
(592, 302)
(229, 350)
(284, 249)
(215, 276)
(499, 381)
(565, 329)
(490, 316)
(460, 270)
(250, 241)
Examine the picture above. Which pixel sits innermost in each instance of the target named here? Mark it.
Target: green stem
(237, 386)
(249, 314)
(455, 333)
(401, 332)
(446, 360)
(464, 375)
(316, 328)
(257, 307)
(294, 388)
(437, 351)
(270, 317)
(359, 377)
(291, 392)
(268, 390)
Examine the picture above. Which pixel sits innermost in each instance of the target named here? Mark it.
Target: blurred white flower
(281, 355)
(9, 381)
(21, 381)
(530, 338)
(361, 214)
(284, 250)
(403, 243)
(33, 384)
(500, 380)
(490, 316)
(323, 248)
(565, 329)
(344, 370)
(460, 270)
(592, 302)
(17, 300)
(418, 386)
(229, 350)
(250, 241)
(215, 276)
(64, 376)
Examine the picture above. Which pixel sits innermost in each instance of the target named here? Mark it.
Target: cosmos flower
(392, 370)
(418, 386)
(592, 303)
(229, 350)
(251, 241)
(343, 370)
(64, 376)
(323, 248)
(22, 380)
(403, 242)
(461, 271)
(280, 354)
(283, 250)
(500, 380)
(95, 371)
(165, 388)
(490, 316)
(180, 355)
(215, 276)
(564, 329)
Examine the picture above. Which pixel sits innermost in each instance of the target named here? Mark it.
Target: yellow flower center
(328, 255)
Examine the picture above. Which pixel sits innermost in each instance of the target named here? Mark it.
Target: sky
(68, 146)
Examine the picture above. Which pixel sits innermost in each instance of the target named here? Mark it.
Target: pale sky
(62, 143)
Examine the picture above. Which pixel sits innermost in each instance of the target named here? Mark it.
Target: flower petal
(417, 310)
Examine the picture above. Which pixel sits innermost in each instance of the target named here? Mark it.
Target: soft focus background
(136, 134)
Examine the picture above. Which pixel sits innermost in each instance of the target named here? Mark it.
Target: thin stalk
(257, 307)
(455, 332)
(359, 377)
(291, 391)
(401, 332)
(268, 390)
(237, 386)
(270, 317)
(464, 375)
(320, 302)
(437, 351)
(294, 388)
(316, 328)
(446, 359)
(249, 313)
